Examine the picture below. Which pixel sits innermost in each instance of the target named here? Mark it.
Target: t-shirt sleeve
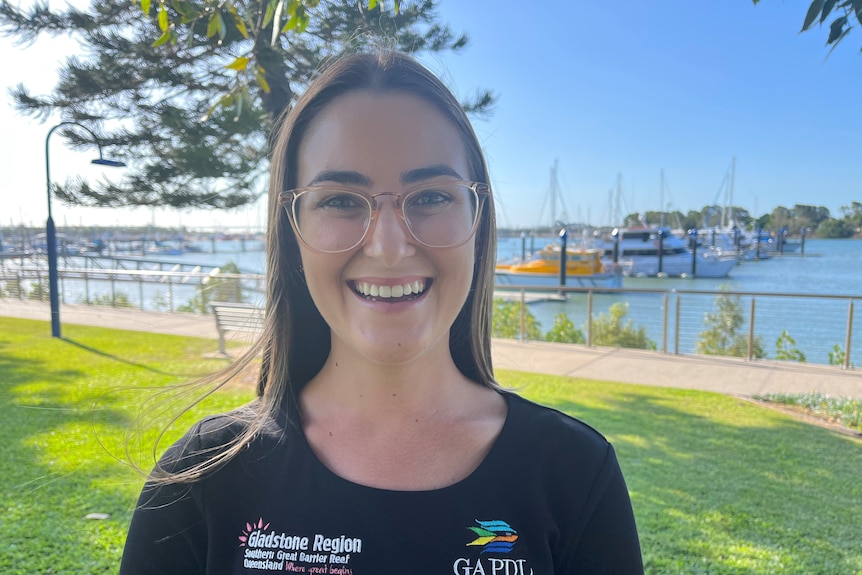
(607, 541)
(167, 534)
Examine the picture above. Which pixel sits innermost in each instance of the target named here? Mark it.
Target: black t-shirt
(548, 498)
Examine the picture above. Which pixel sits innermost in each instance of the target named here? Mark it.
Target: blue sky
(627, 88)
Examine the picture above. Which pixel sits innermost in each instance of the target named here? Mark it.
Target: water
(829, 267)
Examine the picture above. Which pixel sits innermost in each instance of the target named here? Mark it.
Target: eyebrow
(427, 173)
(345, 177)
(354, 178)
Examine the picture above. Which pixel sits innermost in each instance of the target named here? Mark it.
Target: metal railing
(151, 289)
(675, 319)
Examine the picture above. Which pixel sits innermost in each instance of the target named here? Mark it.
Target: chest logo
(493, 536)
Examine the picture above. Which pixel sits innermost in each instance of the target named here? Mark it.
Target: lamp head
(110, 163)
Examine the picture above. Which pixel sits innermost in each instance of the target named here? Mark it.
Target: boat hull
(679, 266)
(531, 279)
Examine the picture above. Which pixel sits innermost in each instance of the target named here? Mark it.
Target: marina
(814, 297)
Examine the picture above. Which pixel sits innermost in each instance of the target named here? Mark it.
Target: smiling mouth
(391, 293)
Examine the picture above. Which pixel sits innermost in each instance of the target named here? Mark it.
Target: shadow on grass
(54, 470)
(722, 486)
(119, 359)
(64, 404)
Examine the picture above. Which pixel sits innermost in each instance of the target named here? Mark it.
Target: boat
(768, 243)
(728, 241)
(638, 252)
(584, 268)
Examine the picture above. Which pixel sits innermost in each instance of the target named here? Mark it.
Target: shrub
(610, 330)
(564, 331)
(506, 321)
(215, 288)
(119, 299)
(837, 356)
(224, 289)
(845, 410)
(723, 335)
(38, 291)
(786, 350)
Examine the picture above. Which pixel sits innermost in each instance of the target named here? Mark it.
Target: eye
(431, 198)
(336, 201)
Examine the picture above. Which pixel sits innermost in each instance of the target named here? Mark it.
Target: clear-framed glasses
(333, 219)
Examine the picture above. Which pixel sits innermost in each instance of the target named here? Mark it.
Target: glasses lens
(441, 215)
(331, 220)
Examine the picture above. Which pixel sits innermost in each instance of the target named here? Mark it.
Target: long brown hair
(295, 341)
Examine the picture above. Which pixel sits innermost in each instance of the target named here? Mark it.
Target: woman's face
(386, 143)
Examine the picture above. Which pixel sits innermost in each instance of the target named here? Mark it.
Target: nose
(388, 239)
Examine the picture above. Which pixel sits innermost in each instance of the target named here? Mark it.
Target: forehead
(381, 136)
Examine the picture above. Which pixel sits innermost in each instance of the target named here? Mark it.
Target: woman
(380, 442)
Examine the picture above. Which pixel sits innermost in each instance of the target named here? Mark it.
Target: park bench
(232, 316)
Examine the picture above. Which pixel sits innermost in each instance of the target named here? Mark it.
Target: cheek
(322, 277)
(466, 266)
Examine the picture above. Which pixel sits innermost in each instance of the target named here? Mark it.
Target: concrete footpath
(724, 375)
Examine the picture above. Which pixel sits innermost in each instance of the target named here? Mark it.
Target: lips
(391, 293)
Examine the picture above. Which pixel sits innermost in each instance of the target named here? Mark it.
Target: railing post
(522, 328)
(693, 243)
(676, 328)
(113, 291)
(664, 326)
(849, 339)
(751, 331)
(86, 285)
(590, 318)
(141, 290)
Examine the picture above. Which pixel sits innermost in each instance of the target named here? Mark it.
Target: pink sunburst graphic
(249, 527)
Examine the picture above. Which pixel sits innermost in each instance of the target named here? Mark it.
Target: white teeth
(372, 290)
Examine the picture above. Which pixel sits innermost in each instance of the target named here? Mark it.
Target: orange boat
(583, 268)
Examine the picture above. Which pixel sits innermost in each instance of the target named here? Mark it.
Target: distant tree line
(816, 220)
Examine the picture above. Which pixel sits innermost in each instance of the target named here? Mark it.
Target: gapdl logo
(494, 536)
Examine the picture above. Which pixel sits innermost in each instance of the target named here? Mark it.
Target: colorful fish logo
(494, 536)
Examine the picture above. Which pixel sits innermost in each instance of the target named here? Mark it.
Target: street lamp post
(51, 230)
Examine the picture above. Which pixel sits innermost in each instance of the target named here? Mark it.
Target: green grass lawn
(719, 485)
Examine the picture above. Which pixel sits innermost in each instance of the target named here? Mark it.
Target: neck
(351, 386)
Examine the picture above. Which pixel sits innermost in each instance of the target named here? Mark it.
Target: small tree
(610, 330)
(564, 331)
(722, 335)
(837, 356)
(506, 321)
(786, 350)
(225, 289)
(216, 288)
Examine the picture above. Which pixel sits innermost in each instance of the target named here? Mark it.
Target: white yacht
(638, 254)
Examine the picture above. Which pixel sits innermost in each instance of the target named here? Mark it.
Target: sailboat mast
(617, 209)
(732, 178)
(553, 193)
(661, 199)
